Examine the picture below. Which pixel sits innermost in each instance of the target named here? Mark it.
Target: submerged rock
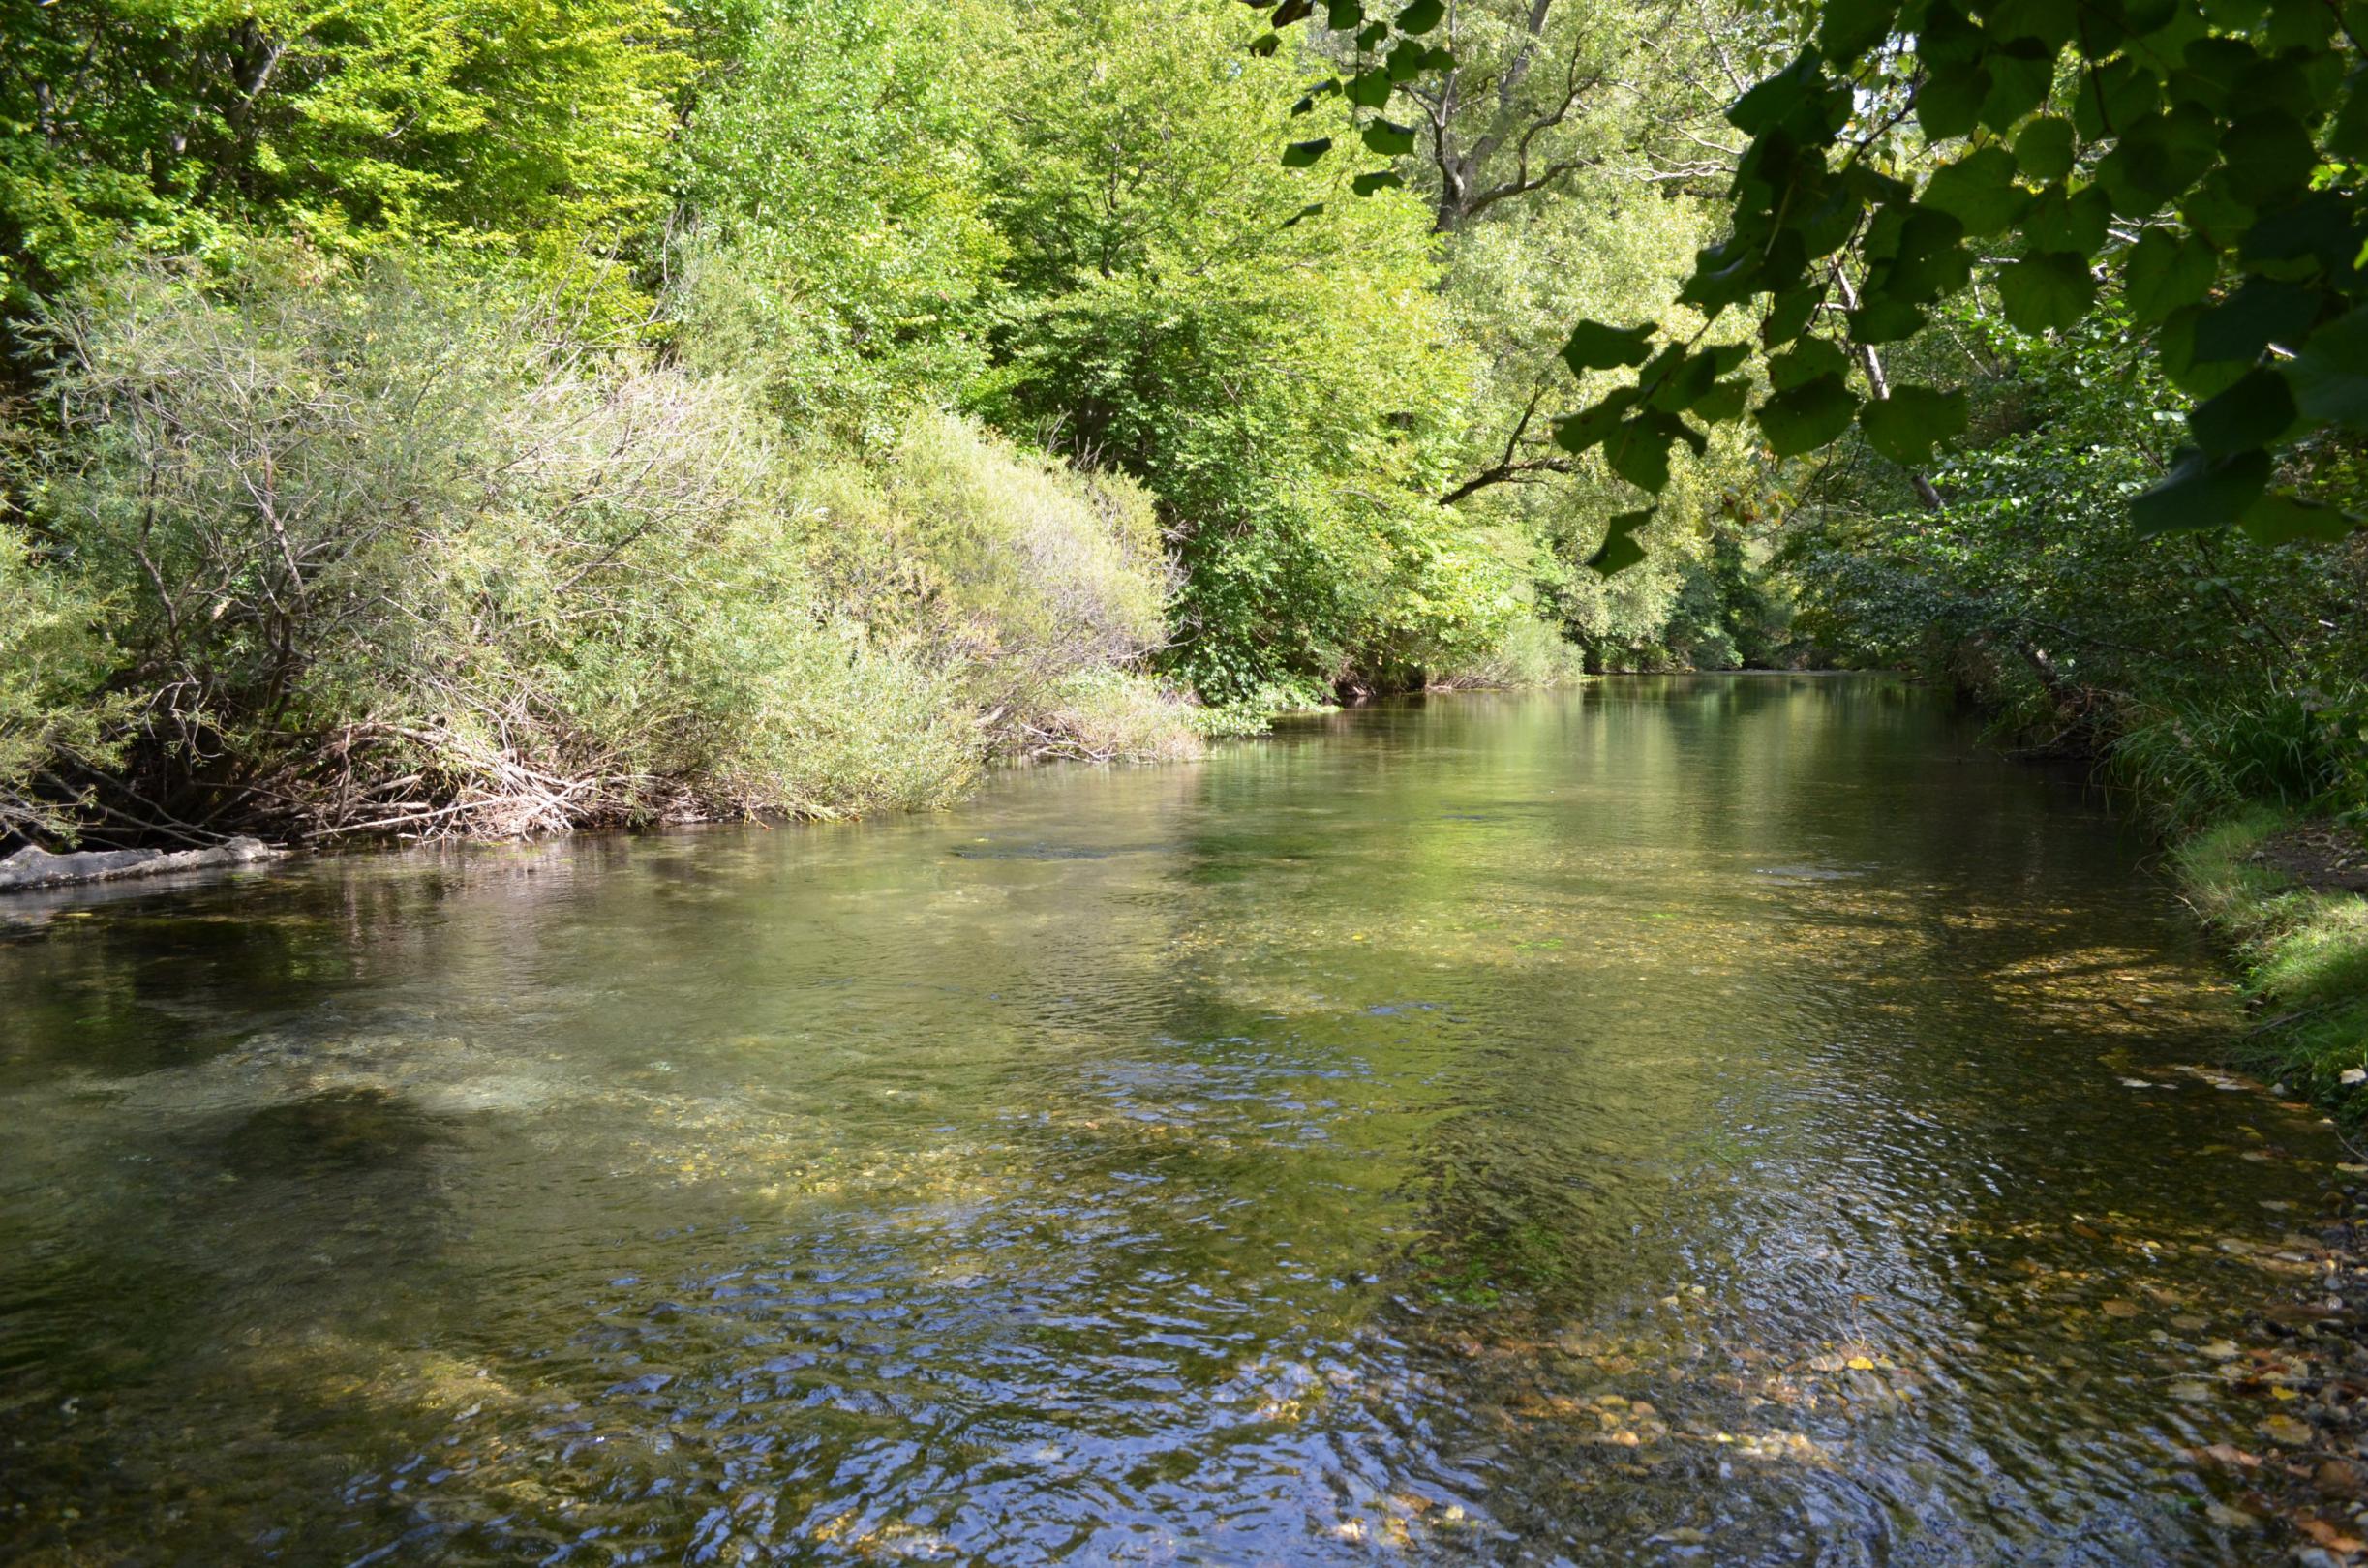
(32, 868)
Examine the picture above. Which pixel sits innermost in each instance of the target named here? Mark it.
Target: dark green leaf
(1949, 104)
(1311, 210)
(1367, 89)
(1266, 43)
(1422, 17)
(2046, 292)
(2349, 135)
(2044, 149)
(1638, 450)
(2258, 314)
(1917, 255)
(2113, 97)
(1847, 29)
(1905, 426)
(1404, 61)
(2254, 413)
(2166, 272)
(2048, 23)
(2280, 518)
(1345, 16)
(2175, 341)
(1725, 402)
(1620, 550)
(1723, 275)
(2300, 24)
(1389, 139)
(2313, 234)
(1810, 359)
(1291, 10)
(1884, 320)
(2074, 222)
(1788, 314)
(1978, 191)
(2020, 77)
(2269, 154)
(1384, 179)
(1944, 35)
(1807, 417)
(2202, 492)
(2158, 158)
(1594, 345)
(1790, 92)
(2330, 375)
(1590, 425)
(1302, 154)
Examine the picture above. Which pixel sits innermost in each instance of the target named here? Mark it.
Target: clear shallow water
(1686, 1120)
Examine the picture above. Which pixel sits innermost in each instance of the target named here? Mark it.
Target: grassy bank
(2303, 951)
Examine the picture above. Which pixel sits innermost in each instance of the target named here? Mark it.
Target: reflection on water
(1725, 1120)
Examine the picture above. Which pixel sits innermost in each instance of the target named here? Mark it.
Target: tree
(528, 125)
(2199, 158)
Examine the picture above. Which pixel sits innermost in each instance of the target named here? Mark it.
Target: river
(1719, 1120)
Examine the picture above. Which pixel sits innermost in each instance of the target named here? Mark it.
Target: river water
(1706, 1119)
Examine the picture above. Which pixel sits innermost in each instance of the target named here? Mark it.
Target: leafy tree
(840, 248)
(531, 125)
(2199, 159)
(1289, 389)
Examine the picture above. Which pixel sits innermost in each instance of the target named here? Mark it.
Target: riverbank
(2286, 895)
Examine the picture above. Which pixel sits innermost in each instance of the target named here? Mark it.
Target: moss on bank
(2304, 953)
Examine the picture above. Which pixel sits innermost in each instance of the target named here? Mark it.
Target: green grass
(2304, 955)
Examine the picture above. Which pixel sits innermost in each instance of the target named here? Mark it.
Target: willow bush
(390, 550)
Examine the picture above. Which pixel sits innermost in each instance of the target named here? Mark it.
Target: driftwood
(33, 868)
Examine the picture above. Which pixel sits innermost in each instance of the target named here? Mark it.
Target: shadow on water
(1685, 1119)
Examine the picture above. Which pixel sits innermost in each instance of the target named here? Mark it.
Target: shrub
(53, 665)
(394, 552)
(1023, 574)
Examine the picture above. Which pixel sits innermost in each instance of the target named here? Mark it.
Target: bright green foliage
(54, 664)
(1021, 574)
(530, 125)
(1280, 388)
(841, 253)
